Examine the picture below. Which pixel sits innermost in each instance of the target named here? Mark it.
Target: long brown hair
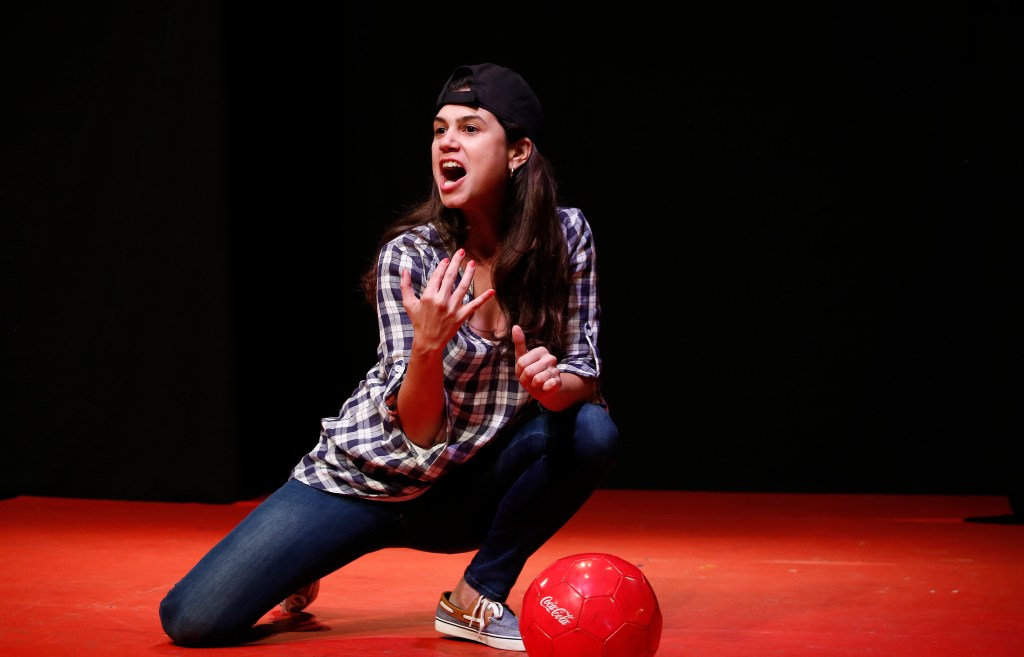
(531, 272)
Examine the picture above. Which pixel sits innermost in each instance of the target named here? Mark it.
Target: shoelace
(482, 605)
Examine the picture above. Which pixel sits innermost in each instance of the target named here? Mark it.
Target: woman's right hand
(439, 311)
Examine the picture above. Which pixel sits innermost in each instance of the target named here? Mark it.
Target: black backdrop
(808, 228)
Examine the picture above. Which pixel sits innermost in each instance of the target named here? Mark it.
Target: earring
(511, 171)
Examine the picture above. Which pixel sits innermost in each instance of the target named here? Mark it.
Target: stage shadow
(282, 622)
(1008, 519)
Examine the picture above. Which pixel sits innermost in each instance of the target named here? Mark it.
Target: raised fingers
(452, 270)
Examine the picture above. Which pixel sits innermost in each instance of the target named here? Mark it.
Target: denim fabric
(505, 503)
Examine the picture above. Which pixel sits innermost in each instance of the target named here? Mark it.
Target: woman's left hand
(536, 368)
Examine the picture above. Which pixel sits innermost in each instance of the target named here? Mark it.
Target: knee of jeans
(597, 434)
(184, 628)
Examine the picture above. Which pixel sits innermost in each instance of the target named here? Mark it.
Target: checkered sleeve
(584, 312)
(408, 252)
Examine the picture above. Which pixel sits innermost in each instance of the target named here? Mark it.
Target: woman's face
(471, 159)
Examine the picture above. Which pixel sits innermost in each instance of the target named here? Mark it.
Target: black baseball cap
(499, 90)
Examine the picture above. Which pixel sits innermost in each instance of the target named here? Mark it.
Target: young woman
(480, 427)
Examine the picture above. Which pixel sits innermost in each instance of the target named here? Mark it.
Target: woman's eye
(439, 130)
(471, 129)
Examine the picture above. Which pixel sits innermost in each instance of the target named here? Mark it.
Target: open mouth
(452, 171)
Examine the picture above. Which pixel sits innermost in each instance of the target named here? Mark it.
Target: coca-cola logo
(560, 614)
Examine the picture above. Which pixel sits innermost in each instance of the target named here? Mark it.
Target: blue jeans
(505, 503)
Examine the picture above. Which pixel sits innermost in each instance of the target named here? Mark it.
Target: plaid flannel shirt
(363, 451)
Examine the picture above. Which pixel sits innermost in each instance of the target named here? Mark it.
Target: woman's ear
(520, 152)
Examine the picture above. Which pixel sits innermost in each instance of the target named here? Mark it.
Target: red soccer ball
(590, 605)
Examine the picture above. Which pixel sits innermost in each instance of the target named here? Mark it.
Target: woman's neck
(481, 243)
(482, 238)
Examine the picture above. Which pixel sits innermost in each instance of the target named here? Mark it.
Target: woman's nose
(448, 141)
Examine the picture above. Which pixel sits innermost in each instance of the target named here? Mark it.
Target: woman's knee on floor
(193, 625)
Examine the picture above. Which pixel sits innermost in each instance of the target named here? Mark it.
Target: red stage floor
(736, 574)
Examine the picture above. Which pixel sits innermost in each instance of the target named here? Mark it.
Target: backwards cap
(499, 90)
